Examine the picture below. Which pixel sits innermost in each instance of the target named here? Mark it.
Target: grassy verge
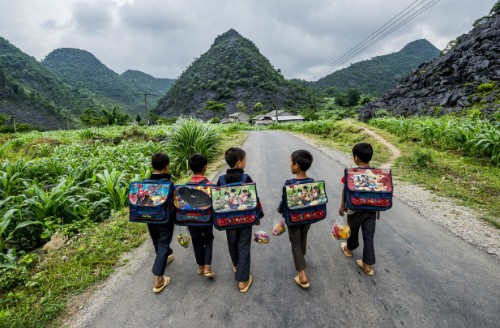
(56, 277)
(474, 182)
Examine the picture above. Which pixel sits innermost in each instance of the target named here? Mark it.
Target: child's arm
(342, 209)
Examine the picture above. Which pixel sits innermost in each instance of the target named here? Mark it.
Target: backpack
(150, 201)
(368, 189)
(235, 205)
(304, 202)
(193, 204)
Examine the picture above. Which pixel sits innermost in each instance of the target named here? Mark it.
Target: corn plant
(114, 184)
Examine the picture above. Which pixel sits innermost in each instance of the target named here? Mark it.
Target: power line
(407, 14)
(359, 45)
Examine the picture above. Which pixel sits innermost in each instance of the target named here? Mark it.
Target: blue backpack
(235, 205)
(193, 205)
(304, 202)
(150, 201)
(368, 189)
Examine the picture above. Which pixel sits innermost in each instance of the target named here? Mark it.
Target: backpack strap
(202, 182)
(244, 178)
(222, 180)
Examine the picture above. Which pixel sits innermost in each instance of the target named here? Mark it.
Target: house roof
(289, 118)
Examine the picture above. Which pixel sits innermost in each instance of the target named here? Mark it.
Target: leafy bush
(190, 136)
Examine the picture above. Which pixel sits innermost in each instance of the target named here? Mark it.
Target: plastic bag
(279, 228)
(341, 229)
(261, 237)
(184, 239)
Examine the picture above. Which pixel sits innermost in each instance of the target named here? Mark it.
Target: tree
(241, 106)
(215, 107)
(115, 116)
(353, 96)
(90, 117)
(258, 107)
(138, 119)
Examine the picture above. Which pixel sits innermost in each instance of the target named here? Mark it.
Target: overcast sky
(162, 37)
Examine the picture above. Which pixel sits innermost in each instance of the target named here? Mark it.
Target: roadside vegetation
(74, 184)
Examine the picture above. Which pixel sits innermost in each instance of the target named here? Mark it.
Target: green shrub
(486, 87)
(422, 158)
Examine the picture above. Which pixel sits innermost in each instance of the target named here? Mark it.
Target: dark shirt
(234, 175)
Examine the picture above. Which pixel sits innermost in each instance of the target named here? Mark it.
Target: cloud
(162, 37)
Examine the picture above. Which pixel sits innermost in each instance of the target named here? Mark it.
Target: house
(237, 117)
(279, 116)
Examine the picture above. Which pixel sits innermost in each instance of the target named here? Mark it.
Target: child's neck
(160, 172)
(199, 174)
(362, 164)
(301, 175)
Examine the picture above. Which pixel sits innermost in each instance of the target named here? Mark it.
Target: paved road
(425, 276)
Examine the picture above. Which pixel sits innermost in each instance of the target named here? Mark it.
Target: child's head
(301, 160)
(362, 153)
(160, 162)
(236, 158)
(198, 163)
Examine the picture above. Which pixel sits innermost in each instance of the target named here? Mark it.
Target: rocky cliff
(468, 74)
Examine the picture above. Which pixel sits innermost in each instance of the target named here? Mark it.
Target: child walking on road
(161, 234)
(365, 220)
(202, 237)
(300, 162)
(238, 239)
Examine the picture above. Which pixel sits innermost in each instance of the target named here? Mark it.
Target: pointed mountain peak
(231, 35)
(418, 45)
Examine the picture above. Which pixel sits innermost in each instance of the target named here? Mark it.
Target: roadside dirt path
(396, 153)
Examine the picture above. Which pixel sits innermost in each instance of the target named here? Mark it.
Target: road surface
(424, 275)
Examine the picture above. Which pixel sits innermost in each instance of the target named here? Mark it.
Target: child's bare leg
(159, 281)
(207, 268)
(201, 269)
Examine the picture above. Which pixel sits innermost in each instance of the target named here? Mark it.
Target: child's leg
(208, 239)
(368, 229)
(232, 244)
(165, 233)
(354, 222)
(197, 239)
(295, 237)
(244, 244)
(303, 237)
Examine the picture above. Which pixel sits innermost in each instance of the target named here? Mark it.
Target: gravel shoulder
(460, 220)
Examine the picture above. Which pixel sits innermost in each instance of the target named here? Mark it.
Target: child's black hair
(364, 151)
(303, 158)
(197, 162)
(234, 155)
(159, 161)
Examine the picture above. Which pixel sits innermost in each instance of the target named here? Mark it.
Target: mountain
(377, 75)
(32, 94)
(82, 70)
(466, 75)
(232, 71)
(147, 83)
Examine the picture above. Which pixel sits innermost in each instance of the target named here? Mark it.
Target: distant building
(237, 117)
(280, 116)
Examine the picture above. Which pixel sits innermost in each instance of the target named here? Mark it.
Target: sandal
(343, 247)
(210, 274)
(170, 258)
(166, 281)
(301, 284)
(249, 282)
(360, 264)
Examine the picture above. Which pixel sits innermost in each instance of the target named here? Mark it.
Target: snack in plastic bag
(261, 237)
(341, 229)
(279, 228)
(184, 239)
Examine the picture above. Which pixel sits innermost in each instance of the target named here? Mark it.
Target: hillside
(32, 94)
(377, 75)
(147, 83)
(231, 71)
(467, 75)
(82, 70)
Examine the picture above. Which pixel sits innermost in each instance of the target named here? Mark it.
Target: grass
(49, 282)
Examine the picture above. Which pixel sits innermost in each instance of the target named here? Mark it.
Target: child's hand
(279, 210)
(342, 210)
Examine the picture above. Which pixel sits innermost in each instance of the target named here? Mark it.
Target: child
(300, 162)
(161, 234)
(202, 237)
(362, 153)
(238, 239)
